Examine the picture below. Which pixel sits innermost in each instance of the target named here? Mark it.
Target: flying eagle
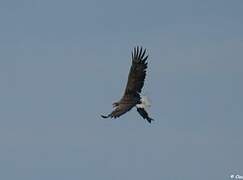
(133, 89)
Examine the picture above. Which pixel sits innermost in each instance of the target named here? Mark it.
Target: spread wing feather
(137, 72)
(120, 110)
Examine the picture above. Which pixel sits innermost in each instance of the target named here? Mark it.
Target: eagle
(135, 82)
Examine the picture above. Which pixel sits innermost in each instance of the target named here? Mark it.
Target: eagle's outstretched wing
(119, 110)
(144, 114)
(137, 72)
(134, 86)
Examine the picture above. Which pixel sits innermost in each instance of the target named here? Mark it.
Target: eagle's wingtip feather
(103, 116)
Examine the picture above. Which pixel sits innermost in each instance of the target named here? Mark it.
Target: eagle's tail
(145, 102)
(142, 108)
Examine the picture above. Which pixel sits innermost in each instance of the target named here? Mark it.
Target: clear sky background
(63, 63)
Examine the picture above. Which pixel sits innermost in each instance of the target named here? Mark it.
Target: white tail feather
(145, 103)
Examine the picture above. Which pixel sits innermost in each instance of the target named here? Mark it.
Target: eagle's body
(133, 89)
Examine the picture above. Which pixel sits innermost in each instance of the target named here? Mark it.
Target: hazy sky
(63, 63)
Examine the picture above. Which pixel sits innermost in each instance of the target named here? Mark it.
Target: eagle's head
(115, 104)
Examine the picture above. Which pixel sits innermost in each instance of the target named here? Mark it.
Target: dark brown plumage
(131, 96)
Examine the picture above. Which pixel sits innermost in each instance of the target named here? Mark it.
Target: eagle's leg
(144, 114)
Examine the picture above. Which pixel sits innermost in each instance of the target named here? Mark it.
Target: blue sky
(63, 63)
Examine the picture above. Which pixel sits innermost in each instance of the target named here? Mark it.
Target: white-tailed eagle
(133, 89)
